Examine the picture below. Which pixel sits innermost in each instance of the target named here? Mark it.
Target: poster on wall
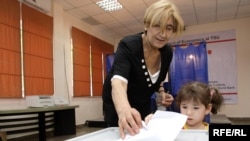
(222, 68)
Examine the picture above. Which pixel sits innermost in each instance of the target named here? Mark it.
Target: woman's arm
(129, 119)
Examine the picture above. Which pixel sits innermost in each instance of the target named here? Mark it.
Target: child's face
(195, 112)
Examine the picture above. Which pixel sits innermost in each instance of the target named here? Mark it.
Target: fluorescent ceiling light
(109, 5)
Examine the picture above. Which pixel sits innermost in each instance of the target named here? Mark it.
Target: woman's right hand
(129, 122)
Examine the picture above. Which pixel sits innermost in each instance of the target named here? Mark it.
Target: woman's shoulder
(130, 39)
(133, 43)
(167, 48)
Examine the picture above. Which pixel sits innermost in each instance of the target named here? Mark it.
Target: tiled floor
(81, 130)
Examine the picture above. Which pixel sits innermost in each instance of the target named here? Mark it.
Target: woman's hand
(129, 122)
(167, 99)
(129, 119)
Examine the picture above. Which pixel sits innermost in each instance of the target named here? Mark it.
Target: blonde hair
(158, 14)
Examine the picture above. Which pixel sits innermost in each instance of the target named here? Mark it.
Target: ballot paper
(164, 125)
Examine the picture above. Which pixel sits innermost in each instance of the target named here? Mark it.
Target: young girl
(196, 100)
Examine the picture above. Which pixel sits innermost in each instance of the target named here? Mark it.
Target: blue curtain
(189, 64)
(109, 61)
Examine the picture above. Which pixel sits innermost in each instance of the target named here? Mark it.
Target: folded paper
(164, 125)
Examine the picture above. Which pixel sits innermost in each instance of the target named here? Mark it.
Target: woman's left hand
(167, 99)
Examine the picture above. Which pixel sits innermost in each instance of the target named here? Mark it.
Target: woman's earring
(145, 31)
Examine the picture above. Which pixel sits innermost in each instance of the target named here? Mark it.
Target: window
(26, 56)
(10, 52)
(38, 52)
(89, 67)
(81, 62)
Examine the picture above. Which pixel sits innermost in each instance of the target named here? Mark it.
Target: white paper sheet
(163, 126)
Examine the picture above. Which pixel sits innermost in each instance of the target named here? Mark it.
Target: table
(219, 119)
(64, 118)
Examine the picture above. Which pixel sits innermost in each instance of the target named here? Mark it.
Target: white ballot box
(112, 134)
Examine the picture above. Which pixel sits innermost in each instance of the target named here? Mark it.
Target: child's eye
(196, 108)
(184, 107)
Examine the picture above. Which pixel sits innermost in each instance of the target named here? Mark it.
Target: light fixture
(109, 5)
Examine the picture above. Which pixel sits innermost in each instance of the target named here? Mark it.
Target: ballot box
(112, 134)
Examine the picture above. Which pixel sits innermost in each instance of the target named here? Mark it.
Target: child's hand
(148, 118)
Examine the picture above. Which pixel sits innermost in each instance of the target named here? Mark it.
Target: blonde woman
(139, 68)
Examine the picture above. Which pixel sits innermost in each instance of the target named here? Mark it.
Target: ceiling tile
(226, 9)
(104, 18)
(149, 2)
(135, 27)
(96, 1)
(105, 30)
(184, 7)
(123, 31)
(66, 5)
(77, 13)
(122, 15)
(243, 11)
(79, 3)
(140, 19)
(127, 21)
(187, 11)
(91, 9)
(189, 19)
(137, 11)
(113, 25)
(132, 7)
(206, 11)
(91, 21)
(244, 2)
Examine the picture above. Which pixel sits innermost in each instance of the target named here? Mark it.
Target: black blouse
(129, 63)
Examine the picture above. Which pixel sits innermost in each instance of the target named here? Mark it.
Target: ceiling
(130, 19)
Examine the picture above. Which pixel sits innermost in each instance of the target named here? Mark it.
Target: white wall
(90, 108)
(242, 30)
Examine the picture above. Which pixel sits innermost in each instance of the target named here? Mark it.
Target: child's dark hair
(200, 93)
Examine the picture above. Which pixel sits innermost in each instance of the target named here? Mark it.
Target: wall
(90, 108)
(242, 30)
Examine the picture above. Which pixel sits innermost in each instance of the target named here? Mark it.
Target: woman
(139, 69)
